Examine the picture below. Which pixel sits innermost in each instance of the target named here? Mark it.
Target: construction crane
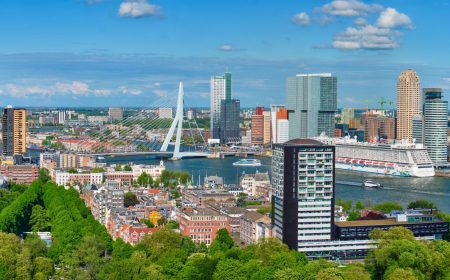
(383, 101)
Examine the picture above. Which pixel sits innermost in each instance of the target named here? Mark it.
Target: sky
(135, 52)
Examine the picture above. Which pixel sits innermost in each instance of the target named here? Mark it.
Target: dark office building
(229, 121)
(303, 192)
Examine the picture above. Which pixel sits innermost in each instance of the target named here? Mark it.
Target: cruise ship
(398, 159)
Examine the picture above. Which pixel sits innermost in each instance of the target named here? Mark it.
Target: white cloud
(350, 8)
(228, 48)
(161, 92)
(75, 88)
(138, 8)
(360, 21)
(391, 18)
(301, 18)
(129, 91)
(367, 37)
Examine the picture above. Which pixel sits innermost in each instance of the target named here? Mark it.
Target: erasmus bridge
(143, 132)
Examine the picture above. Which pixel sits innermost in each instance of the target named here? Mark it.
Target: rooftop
(302, 141)
(375, 223)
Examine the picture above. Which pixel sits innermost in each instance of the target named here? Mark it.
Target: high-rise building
(14, 131)
(377, 127)
(303, 192)
(61, 117)
(116, 114)
(266, 125)
(220, 90)
(408, 102)
(435, 124)
(257, 129)
(282, 131)
(277, 112)
(347, 114)
(417, 128)
(311, 103)
(229, 121)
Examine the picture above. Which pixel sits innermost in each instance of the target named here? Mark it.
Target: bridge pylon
(176, 124)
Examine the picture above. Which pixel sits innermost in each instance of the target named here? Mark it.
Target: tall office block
(220, 90)
(229, 121)
(257, 129)
(435, 122)
(116, 114)
(303, 192)
(277, 112)
(408, 102)
(347, 114)
(61, 117)
(14, 131)
(267, 128)
(311, 102)
(282, 131)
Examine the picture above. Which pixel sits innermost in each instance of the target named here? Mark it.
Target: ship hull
(413, 171)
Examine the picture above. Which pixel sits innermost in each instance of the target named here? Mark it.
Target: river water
(400, 189)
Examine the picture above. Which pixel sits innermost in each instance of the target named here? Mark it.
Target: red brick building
(201, 225)
(21, 174)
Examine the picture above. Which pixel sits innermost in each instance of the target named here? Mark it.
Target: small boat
(247, 162)
(371, 184)
(100, 158)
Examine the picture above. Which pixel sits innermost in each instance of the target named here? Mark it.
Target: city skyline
(137, 56)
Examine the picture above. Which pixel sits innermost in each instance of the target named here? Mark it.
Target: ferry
(247, 162)
(398, 159)
(371, 184)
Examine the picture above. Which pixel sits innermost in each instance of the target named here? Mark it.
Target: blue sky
(132, 53)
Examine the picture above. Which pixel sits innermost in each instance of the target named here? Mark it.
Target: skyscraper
(408, 102)
(435, 122)
(347, 114)
(311, 102)
(229, 121)
(220, 90)
(14, 131)
(116, 114)
(303, 192)
(61, 117)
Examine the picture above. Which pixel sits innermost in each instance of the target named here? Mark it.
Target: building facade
(115, 113)
(229, 121)
(435, 125)
(220, 90)
(14, 131)
(311, 102)
(303, 192)
(408, 102)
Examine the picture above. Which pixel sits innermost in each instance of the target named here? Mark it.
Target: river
(400, 189)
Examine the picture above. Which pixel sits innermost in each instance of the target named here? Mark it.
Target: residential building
(165, 113)
(408, 102)
(377, 127)
(311, 101)
(20, 174)
(257, 129)
(279, 124)
(14, 131)
(64, 178)
(435, 125)
(303, 192)
(254, 226)
(202, 224)
(232, 213)
(115, 113)
(220, 90)
(229, 131)
(257, 184)
(198, 198)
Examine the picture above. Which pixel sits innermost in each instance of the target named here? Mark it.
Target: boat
(371, 184)
(247, 162)
(100, 158)
(398, 159)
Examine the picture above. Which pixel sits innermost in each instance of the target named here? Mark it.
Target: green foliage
(44, 175)
(72, 170)
(130, 199)
(98, 170)
(222, 242)
(14, 218)
(421, 203)
(118, 167)
(174, 177)
(144, 180)
(346, 204)
(353, 215)
(265, 210)
(388, 206)
(359, 205)
(127, 168)
(148, 223)
(39, 220)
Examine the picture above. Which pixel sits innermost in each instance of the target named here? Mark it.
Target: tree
(72, 170)
(118, 167)
(127, 168)
(144, 179)
(130, 199)
(240, 202)
(353, 215)
(355, 272)
(162, 221)
(198, 266)
(39, 220)
(401, 273)
(346, 204)
(359, 205)
(421, 204)
(222, 242)
(330, 274)
(121, 249)
(387, 206)
(44, 175)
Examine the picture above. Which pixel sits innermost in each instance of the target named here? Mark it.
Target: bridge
(130, 136)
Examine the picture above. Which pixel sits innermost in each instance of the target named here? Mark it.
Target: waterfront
(400, 189)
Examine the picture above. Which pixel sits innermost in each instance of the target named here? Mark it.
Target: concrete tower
(408, 102)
